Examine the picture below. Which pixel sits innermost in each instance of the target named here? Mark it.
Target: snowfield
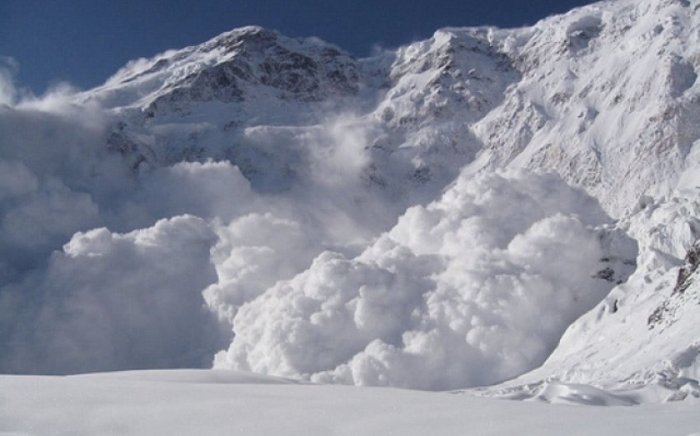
(214, 402)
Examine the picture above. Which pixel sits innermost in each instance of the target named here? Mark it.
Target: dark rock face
(607, 274)
(304, 71)
(665, 313)
(692, 261)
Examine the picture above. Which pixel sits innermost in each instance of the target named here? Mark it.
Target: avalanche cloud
(106, 267)
(472, 289)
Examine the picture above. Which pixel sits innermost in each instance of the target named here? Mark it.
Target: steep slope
(641, 343)
(241, 94)
(605, 95)
(615, 109)
(609, 99)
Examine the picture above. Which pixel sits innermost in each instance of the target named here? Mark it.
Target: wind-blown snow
(469, 290)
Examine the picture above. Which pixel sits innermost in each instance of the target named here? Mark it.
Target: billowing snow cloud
(76, 299)
(119, 301)
(470, 290)
(253, 253)
(100, 267)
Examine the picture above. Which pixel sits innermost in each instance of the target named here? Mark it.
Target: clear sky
(85, 41)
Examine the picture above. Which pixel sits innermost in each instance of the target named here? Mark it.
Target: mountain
(435, 216)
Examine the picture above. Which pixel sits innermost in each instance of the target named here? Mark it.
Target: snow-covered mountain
(435, 216)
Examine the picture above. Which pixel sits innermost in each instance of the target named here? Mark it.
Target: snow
(641, 340)
(612, 114)
(470, 290)
(104, 308)
(188, 402)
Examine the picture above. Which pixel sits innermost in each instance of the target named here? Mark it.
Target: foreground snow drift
(225, 403)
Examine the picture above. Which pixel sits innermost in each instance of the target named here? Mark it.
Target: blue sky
(85, 41)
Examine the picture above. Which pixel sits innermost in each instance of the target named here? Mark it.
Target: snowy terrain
(186, 402)
(508, 213)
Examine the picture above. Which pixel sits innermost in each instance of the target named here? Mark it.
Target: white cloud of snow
(104, 300)
(472, 289)
(65, 287)
(117, 301)
(253, 253)
(452, 296)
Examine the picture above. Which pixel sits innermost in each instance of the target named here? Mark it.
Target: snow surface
(209, 402)
(642, 340)
(447, 215)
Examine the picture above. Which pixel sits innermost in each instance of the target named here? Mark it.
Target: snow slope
(449, 214)
(642, 339)
(608, 98)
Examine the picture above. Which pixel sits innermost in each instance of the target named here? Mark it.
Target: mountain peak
(247, 61)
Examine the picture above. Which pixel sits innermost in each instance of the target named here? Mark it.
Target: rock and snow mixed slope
(377, 221)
